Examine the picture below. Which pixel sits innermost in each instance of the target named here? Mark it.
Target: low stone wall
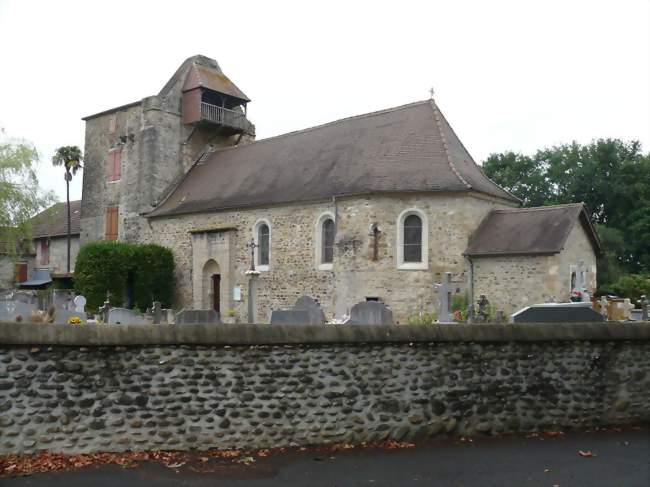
(112, 388)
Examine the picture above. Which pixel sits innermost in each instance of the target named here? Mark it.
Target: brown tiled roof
(53, 222)
(405, 149)
(212, 79)
(529, 231)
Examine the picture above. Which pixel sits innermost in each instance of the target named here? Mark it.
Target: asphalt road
(622, 459)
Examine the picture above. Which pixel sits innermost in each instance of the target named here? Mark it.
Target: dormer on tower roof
(209, 97)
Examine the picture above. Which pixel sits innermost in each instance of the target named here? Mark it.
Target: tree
(70, 158)
(611, 176)
(20, 195)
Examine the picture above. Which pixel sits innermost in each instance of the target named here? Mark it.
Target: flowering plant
(74, 320)
(576, 296)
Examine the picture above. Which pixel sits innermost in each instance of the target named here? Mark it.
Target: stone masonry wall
(157, 151)
(513, 282)
(293, 270)
(82, 398)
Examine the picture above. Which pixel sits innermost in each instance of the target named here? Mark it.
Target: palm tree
(70, 158)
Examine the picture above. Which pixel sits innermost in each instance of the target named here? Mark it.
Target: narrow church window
(329, 232)
(262, 238)
(412, 239)
(263, 234)
(375, 242)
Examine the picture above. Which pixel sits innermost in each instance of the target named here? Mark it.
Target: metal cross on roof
(431, 92)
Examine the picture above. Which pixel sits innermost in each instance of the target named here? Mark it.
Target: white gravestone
(80, 304)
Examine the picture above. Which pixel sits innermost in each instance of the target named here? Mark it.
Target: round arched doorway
(212, 286)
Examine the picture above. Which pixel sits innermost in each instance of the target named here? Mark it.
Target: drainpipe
(471, 280)
(336, 231)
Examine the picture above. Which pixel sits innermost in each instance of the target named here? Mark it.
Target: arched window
(325, 236)
(412, 240)
(329, 232)
(263, 234)
(262, 238)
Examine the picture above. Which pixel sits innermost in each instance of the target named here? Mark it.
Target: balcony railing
(227, 118)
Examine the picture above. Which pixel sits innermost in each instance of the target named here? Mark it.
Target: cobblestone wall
(73, 398)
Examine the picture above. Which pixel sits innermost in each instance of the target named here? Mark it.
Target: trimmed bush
(146, 272)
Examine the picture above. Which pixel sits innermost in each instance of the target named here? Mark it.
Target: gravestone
(290, 317)
(63, 299)
(124, 316)
(557, 313)
(306, 311)
(61, 316)
(10, 310)
(604, 305)
(156, 311)
(80, 304)
(316, 315)
(169, 317)
(444, 291)
(644, 308)
(370, 313)
(191, 316)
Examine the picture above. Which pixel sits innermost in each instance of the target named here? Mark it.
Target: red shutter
(21, 271)
(117, 167)
(45, 252)
(111, 223)
(110, 166)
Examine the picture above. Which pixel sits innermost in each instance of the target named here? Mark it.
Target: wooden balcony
(229, 119)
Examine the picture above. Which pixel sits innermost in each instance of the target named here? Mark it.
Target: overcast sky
(509, 75)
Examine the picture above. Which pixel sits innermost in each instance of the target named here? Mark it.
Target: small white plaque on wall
(236, 293)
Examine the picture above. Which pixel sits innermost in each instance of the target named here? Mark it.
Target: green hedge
(110, 266)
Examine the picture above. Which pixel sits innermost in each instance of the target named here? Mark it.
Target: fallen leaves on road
(16, 465)
(586, 454)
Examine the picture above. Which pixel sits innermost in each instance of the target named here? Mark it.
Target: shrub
(632, 286)
(153, 276)
(422, 318)
(144, 271)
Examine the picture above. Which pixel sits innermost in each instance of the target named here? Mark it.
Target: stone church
(372, 207)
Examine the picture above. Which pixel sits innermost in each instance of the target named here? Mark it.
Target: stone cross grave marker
(444, 292)
(370, 313)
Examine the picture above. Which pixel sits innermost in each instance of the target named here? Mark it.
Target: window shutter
(110, 165)
(45, 252)
(21, 272)
(117, 164)
(111, 223)
(112, 124)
